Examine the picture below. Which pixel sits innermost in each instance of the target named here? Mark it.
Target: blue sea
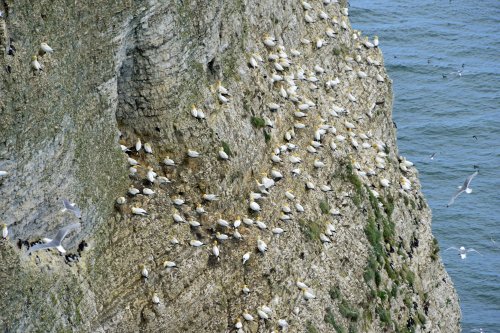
(458, 118)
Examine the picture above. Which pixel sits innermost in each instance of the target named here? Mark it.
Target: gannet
(262, 314)
(268, 40)
(35, 64)
(318, 164)
(310, 186)
(46, 48)
(278, 231)
(296, 172)
(306, 5)
(384, 182)
(121, 200)
(238, 325)
(464, 188)
(237, 222)
(308, 18)
(405, 183)
(379, 78)
(168, 162)
(325, 188)
(255, 206)
(139, 211)
(194, 224)
(245, 289)
(124, 148)
(324, 238)
(308, 294)
(462, 251)
(210, 197)
(5, 231)
(222, 223)
(169, 264)
(221, 237)
(178, 201)
(144, 271)
(215, 250)
(199, 209)
(163, 180)
(294, 159)
(320, 42)
(305, 41)
(177, 218)
(131, 161)
(247, 221)
(51, 243)
(246, 257)
(155, 299)
(247, 316)
(276, 174)
(72, 208)
(282, 323)
(289, 195)
(147, 148)
(285, 217)
(253, 62)
(276, 159)
(261, 246)
(195, 243)
(375, 41)
(236, 234)
(193, 153)
(261, 225)
(151, 175)
(138, 144)
(299, 114)
(223, 99)
(301, 285)
(148, 191)
(174, 241)
(299, 207)
(361, 74)
(323, 15)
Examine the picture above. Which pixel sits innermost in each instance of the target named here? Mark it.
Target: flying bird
(464, 188)
(71, 207)
(56, 242)
(462, 251)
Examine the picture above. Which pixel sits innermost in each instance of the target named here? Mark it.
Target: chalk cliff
(124, 70)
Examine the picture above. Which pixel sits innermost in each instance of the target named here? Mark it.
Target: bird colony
(312, 136)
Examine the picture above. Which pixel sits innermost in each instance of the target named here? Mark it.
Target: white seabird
(5, 231)
(46, 48)
(464, 188)
(246, 257)
(72, 208)
(462, 251)
(56, 242)
(139, 211)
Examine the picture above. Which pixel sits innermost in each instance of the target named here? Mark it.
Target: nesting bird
(46, 48)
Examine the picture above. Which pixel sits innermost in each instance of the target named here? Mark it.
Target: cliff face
(136, 69)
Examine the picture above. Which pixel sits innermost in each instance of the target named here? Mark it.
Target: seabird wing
(38, 247)
(452, 248)
(64, 231)
(472, 250)
(469, 179)
(457, 193)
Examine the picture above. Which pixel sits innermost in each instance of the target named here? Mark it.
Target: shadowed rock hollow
(135, 69)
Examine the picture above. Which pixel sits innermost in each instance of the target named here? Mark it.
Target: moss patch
(330, 319)
(257, 122)
(311, 229)
(325, 207)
